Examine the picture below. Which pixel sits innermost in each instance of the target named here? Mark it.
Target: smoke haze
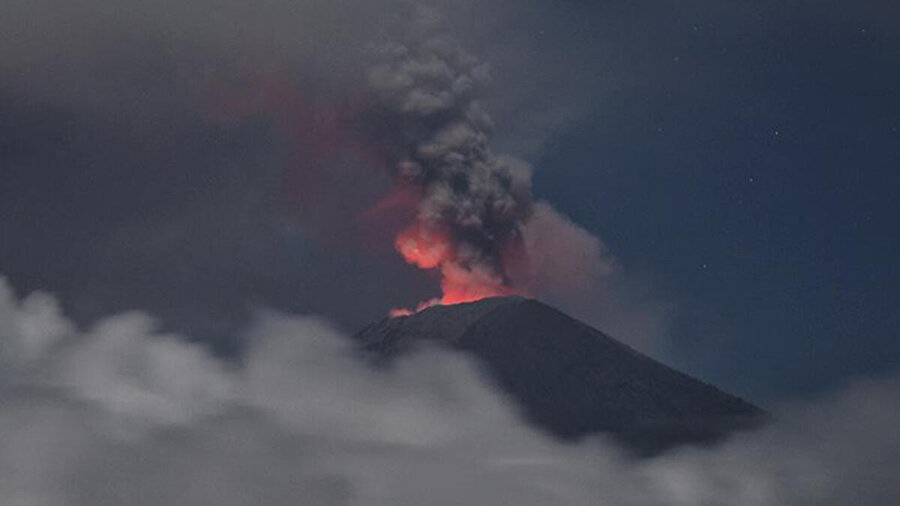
(229, 156)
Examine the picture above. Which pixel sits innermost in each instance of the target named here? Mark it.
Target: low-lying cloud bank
(120, 414)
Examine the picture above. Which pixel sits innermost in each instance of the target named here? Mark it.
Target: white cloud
(304, 421)
(28, 329)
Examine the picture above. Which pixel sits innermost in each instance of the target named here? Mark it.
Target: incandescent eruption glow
(423, 246)
(432, 249)
(471, 204)
(461, 284)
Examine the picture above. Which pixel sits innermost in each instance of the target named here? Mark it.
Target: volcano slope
(568, 378)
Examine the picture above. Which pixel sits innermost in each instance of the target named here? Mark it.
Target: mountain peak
(441, 323)
(569, 378)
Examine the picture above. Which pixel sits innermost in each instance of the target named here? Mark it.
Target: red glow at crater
(428, 248)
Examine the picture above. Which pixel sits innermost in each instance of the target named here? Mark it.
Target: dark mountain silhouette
(568, 378)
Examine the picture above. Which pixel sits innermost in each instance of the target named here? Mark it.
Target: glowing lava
(429, 248)
(467, 284)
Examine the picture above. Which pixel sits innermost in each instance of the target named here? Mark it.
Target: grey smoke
(438, 137)
(477, 205)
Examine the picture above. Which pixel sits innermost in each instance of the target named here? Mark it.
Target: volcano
(568, 378)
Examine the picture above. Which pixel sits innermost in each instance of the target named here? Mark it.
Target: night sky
(739, 160)
(754, 180)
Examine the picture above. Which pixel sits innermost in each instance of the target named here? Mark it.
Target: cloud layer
(122, 414)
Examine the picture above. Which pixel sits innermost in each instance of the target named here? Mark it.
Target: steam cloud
(121, 414)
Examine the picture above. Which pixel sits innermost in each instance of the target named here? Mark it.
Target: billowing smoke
(122, 414)
(474, 219)
(470, 202)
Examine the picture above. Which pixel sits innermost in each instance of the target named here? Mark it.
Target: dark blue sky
(754, 180)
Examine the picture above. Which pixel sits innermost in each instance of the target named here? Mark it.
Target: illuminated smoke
(471, 203)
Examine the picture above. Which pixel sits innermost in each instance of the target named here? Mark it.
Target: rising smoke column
(471, 204)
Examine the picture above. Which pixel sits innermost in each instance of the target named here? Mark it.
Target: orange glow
(400, 311)
(423, 247)
(460, 284)
(428, 249)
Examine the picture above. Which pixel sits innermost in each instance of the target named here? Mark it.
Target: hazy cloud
(122, 414)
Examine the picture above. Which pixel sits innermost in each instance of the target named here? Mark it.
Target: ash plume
(470, 203)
